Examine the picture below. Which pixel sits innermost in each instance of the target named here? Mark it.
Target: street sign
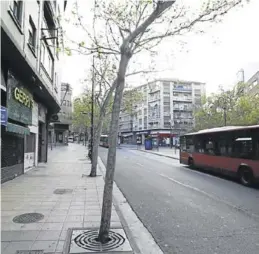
(3, 116)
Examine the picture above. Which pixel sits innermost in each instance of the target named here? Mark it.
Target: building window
(32, 34)
(56, 82)
(47, 60)
(17, 11)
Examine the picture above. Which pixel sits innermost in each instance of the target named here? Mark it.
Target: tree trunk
(98, 131)
(96, 141)
(111, 159)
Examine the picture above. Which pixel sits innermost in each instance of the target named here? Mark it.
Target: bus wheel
(191, 163)
(246, 176)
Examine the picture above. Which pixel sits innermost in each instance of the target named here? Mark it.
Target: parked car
(70, 140)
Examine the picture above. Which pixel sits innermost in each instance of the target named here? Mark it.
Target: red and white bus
(232, 150)
(104, 141)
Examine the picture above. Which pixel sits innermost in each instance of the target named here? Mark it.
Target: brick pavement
(33, 192)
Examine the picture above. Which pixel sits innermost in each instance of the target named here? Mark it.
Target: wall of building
(253, 84)
(24, 138)
(63, 127)
(167, 105)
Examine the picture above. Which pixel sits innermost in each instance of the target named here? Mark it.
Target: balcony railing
(182, 109)
(182, 98)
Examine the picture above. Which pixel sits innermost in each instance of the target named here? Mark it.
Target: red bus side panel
(227, 163)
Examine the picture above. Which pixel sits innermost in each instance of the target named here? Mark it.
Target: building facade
(253, 84)
(62, 128)
(30, 81)
(166, 111)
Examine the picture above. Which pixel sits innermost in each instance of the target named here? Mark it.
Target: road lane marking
(141, 165)
(211, 196)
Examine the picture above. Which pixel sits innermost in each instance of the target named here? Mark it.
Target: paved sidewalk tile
(34, 192)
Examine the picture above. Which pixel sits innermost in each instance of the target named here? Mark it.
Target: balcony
(182, 98)
(183, 109)
(182, 89)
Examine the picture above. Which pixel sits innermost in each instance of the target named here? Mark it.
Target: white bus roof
(104, 135)
(222, 129)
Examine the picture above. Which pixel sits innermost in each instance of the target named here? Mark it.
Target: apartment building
(167, 110)
(30, 81)
(63, 126)
(253, 84)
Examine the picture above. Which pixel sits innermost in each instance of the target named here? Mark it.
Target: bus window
(209, 148)
(199, 144)
(257, 150)
(183, 143)
(189, 144)
(243, 148)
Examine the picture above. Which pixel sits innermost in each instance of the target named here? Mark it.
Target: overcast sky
(213, 58)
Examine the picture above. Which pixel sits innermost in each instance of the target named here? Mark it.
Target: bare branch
(204, 17)
(139, 72)
(160, 8)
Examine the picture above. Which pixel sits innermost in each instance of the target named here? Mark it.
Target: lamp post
(223, 101)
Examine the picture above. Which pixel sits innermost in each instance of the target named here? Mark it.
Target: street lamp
(223, 101)
(85, 113)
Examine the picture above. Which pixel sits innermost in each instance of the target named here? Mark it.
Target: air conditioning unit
(54, 118)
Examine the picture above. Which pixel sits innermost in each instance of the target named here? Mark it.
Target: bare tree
(123, 29)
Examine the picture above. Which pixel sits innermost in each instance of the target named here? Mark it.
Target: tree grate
(28, 218)
(88, 240)
(62, 191)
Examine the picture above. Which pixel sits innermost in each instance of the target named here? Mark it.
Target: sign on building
(19, 101)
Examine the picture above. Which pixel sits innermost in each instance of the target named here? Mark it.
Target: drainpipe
(38, 46)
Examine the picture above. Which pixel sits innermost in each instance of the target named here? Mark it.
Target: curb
(159, 154)
(141, 240)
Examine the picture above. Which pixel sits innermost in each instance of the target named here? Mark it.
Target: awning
(15, 128)
(127, 135)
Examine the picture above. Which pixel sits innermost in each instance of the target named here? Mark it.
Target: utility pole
(225, 116)
(92, 117)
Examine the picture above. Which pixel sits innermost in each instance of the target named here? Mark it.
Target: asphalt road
(188, 211)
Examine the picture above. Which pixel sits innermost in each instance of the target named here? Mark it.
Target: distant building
(30, 81)
(63, 126)
(253, 84)
(166, 111)
(241, 76)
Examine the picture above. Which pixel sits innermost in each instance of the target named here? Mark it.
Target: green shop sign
(19, 101)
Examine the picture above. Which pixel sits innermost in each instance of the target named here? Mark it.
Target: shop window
(12, 149)
(32, 35)
(30, 143)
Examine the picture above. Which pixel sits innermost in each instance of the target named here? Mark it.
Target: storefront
(165, 138)
(126, 138)
(19, 102)
(31, 142)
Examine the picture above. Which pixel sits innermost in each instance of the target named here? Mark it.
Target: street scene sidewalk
(61, 193)
(164, 151)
